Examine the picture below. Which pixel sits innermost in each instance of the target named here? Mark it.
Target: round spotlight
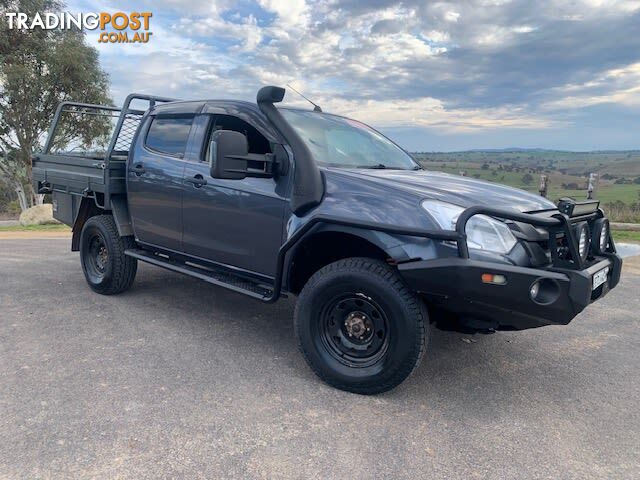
(581, 232)
(544, 291)
(534, 290)
(582, 244)
(600, 239)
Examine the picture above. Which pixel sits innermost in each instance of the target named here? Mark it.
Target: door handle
(197, 180)
(138, 169)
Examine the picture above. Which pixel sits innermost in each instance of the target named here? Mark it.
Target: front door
(234, 222)
(154, 181)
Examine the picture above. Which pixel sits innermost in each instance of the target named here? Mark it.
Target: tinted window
(169, 135)
(257, 142)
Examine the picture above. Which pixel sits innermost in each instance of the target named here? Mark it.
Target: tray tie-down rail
(122, 133)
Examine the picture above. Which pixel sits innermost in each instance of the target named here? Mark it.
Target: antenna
(316, 108)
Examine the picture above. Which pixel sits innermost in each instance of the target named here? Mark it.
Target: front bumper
(456, 285)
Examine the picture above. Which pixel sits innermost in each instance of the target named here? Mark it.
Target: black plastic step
(220, 277)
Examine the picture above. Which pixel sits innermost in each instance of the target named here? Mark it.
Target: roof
(247, 111)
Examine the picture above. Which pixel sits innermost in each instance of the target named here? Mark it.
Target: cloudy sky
(432, 75)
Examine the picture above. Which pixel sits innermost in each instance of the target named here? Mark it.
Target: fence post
(544, 185)
(592, 188)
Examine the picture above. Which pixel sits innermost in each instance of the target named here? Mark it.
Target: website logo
(118, 27)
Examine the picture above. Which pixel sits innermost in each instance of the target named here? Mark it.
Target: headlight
(483, 233)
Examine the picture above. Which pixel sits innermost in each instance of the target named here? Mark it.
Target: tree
(38, 70)
(527, 179)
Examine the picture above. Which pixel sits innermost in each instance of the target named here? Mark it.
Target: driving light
(544, 291)
(581, 232)
(483, 232)
(603, 238)
(534, 290)
(600, 237)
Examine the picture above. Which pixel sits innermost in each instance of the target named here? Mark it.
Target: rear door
(154, 180)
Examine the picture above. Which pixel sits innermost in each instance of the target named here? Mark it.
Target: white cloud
(290, 12)
(617, 86)
(458, 66)
(431, 112)
(451, 16)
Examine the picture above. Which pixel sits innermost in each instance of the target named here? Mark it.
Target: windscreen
(341, 142)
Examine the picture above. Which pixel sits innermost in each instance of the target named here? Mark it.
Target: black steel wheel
(354, 330)
(96, 256)
(106, 268)
(359, 327)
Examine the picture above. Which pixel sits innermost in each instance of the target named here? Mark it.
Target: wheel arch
(89, 207)
(328, 244)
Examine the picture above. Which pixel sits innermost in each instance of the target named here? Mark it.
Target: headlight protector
(483, 232)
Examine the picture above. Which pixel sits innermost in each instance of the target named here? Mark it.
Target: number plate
(600, 277)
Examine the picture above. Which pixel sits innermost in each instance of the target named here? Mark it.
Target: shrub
(621, 212)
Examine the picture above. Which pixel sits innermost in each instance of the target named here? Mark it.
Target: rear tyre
(359, 327)
(106, 268)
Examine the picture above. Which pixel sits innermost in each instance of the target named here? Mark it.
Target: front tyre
(106, 268)
(359, 327)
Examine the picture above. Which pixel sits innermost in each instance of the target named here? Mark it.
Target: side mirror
(228, 152)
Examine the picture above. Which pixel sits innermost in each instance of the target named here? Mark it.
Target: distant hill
(618, 164)
(568, 172)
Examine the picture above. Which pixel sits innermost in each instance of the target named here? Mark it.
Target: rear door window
(169, 134)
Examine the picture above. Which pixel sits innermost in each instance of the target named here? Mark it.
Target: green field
(36, 228)
(617, 163)
(607, 191)
(625, 236)
(567, 172)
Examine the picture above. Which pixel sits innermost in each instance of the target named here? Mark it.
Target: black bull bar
(557, 224)
(552, 220)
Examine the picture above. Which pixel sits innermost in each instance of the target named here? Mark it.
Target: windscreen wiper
(379, 166)
(382, 166)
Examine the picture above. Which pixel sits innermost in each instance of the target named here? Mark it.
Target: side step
(220, 277)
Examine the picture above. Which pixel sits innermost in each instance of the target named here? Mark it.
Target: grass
(626, 236)
(621, 164)
(608, 192)
(36, 228)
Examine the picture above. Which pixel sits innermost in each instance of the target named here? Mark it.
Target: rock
(38, 215)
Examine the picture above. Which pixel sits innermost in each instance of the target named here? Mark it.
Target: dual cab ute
(271, 201)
